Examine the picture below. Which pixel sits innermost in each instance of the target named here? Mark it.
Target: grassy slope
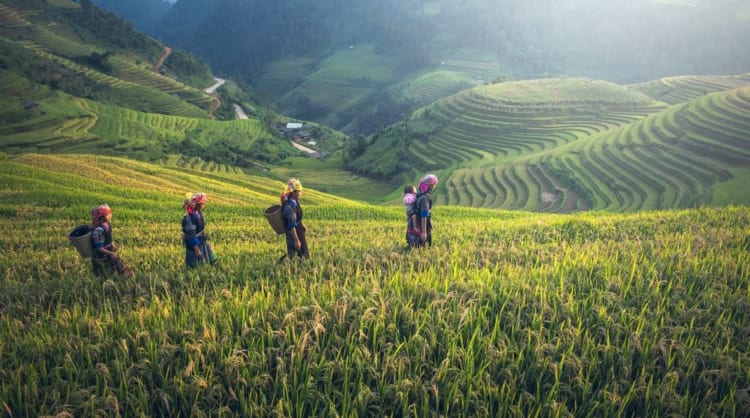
(530, 145)
(640, 314)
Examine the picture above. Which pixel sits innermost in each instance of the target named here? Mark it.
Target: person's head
(410, 189)
(294, 187)
(195, 201)
(101, 214)
(428, 183)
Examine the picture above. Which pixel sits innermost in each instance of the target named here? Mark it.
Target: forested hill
(596, 39)
(146, 13)
(287, 48)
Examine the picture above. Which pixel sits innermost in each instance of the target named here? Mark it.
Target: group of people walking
(105, 260)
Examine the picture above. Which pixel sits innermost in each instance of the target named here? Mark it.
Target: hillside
(74, 79)
(387, 54)
(572, 144)
(509, 313)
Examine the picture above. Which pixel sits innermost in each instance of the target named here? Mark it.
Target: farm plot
(344, 79)
(635, 314)
(672, 159)
(675, 90)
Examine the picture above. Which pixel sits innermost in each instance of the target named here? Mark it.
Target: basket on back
(275, 219)
(80, 237)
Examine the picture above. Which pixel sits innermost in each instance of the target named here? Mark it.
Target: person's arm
(188, 229)
(424, 212)
(99, 244)
(297, 243)
(290, 221)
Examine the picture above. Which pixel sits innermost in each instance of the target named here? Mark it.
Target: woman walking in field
(424, 209)
(197, 249)
(105, 260)
(296, 244)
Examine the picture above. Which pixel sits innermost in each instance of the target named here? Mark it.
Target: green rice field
(508, 314)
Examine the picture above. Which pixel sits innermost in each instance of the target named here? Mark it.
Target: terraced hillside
(461, 70)
(340, 83)
(133, 84)
(92, 178)
(688, 155)
(488, 125)
(62, 124)
(675, 90)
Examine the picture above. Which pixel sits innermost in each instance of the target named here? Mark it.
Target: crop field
(346, 78)
(128, 70)
(508, 314)
(279, 75)
(133, 84)
(460, 70)
(671, 159)
(572, 145)
(675, 90)
(70, 125)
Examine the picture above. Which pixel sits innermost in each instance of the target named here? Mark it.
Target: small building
(291, 125)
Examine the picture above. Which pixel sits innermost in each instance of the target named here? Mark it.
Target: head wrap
(427, 181)
(293, 185)
(98, 213)
(193, 199)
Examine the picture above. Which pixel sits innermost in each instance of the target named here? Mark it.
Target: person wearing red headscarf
(197, 249)
(105, 260)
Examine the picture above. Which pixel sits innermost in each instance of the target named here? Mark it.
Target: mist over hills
(618, 41)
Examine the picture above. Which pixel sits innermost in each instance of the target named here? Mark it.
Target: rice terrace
(591, 252)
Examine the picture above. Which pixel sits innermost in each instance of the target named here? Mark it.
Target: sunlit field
(508, 314)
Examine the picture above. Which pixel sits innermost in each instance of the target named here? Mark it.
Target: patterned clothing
(292, 214)
(193, 234)
(102, 263)
(423, 210)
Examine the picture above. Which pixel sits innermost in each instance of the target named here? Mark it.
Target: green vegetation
(571, 144)
(60, 44)
(510, 313)
(341, 82)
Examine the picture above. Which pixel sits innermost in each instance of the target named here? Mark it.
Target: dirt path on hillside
(239, 112)
(215, 103)
(164, 55)
(218, 82)
(303, 148)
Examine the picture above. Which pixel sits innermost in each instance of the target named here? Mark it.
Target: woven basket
(80, 237)
(274, 218)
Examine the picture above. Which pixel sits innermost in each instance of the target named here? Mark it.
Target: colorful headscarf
(193, 199)
(291, 186)
(98, 213)
(427, 181)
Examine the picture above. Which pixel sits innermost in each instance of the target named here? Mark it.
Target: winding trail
(218, 82)
(215, 101)
(164, 55)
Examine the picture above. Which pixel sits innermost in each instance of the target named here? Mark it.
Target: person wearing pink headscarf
(197, 248)
(423, 209)
(105, 260)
